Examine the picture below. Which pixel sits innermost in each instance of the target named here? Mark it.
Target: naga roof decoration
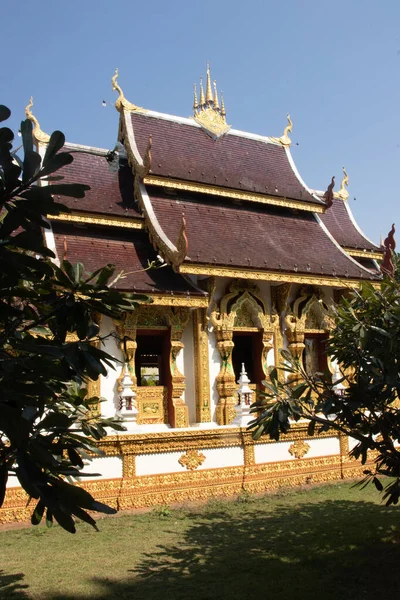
(122, 103)
(208, 114)
(284, 140)
(343, 194)
(387, 266)
(38, 135)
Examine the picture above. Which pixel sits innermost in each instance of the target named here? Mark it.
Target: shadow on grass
(10, 586)
(330, 550)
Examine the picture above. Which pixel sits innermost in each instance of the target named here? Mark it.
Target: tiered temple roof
(210, 200)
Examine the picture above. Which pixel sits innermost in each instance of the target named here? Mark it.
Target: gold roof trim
(211, 270)
(96, 219)
(363, 253)
(122, 103)
(175, 300)
(343, 194)
(39, 135)
(284, 140)
(208, 113)
(214, 190)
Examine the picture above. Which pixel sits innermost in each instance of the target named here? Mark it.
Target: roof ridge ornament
(387, 266)
(329, 194)
(39, 135)
(284, 140)
(122, 103)
(207, 113)
(343, 194)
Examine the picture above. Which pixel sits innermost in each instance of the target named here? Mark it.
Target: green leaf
(5, 113)
(38, 513)
(56, 142)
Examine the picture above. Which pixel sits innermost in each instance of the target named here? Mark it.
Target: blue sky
(333, 65)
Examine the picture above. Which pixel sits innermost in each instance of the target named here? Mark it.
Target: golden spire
(284, 140)
(122, 103)
(207, 112)
(195, 102)
(223, 111)
(209, 96)
(38, 134)
(215, 99)
(202, 101)
(343, 194)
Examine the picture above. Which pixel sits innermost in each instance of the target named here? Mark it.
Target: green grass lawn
(330, 542)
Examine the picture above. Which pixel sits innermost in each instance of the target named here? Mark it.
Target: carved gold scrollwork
(241, 302)
(202, 372)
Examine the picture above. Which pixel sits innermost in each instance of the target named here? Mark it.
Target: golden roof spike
(223, 111)
(122, 103)
(215, 99)
(343, 194)
(209, 96)
(202, 100)
(39, 135)
(195, 102)
(284, 140)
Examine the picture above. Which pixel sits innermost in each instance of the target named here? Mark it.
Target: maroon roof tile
(252, 236)
(339, 224)
(186, 152)
(129, 251)
(111, 192)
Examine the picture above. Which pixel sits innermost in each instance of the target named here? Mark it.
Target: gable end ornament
(122, 103)
(343, 194)
(38, 135)
(284, 140)
(208, 113)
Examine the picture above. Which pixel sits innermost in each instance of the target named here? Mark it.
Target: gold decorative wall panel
(132, 491)
(202, 367)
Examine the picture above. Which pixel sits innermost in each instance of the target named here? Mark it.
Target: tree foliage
(49, 338)
(364, 402)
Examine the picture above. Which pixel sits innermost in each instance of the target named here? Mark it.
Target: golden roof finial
(223, 111)
(39, 135)
(208, 113)
(122, 103)
(343, 194)
(284, 140)
(215, 99)
(202, 100)
(195, 102)
(209, 96)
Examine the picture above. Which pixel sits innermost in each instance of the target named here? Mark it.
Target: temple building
(238, 258)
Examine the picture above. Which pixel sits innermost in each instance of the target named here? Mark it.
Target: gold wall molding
(202, 367)
(97, 219)
(363, 254)
(214, 190)
(243, 273)
(192, 459)
(153, 490)
(169, 300)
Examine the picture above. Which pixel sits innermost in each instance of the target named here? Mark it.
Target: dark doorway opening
(248, 350)
(152, 358)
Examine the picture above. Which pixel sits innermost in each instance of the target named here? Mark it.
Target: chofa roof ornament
(122, 103)
(343, 194)
(39, 135)
(208, 113)
(284, 140)
(387, 266)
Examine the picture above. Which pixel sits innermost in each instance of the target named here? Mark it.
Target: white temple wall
(108, 384)
(214, 361)
(168, 462)
(277, 452)
(107, 467)
(185, 363)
